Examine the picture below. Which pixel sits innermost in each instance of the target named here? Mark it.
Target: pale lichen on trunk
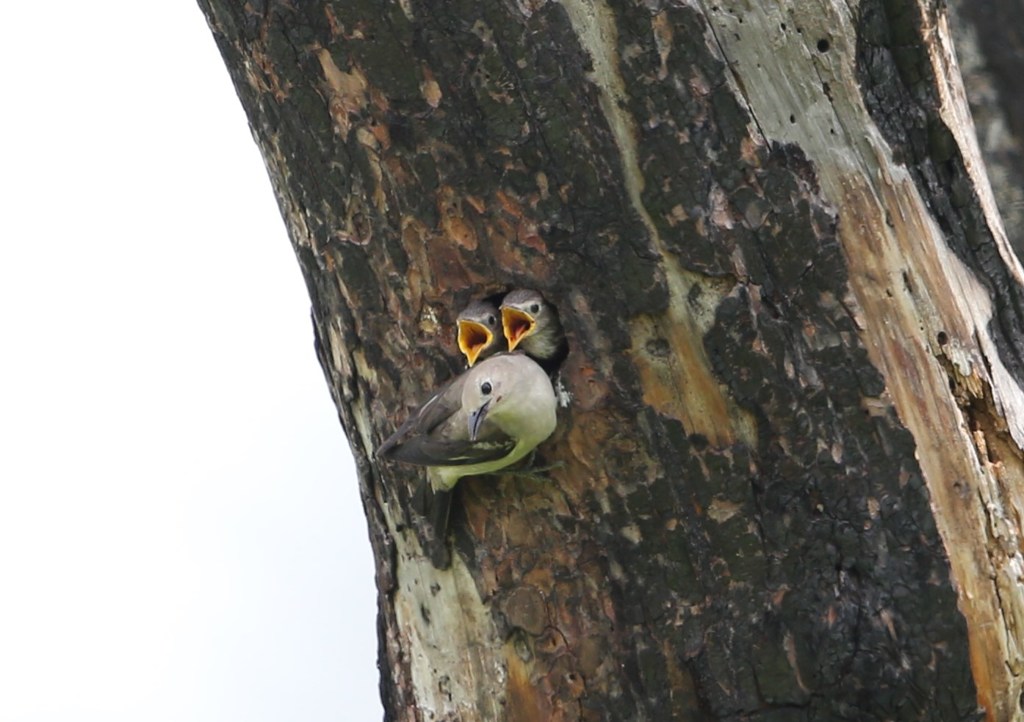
(456, 655)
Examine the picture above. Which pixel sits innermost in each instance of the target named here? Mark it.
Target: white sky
(181, 537)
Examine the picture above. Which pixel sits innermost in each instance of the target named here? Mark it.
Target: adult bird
(531, 323)
(479, 335)
(480, 422)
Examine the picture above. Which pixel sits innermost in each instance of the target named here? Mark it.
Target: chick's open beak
(473, 338)
(517, 325)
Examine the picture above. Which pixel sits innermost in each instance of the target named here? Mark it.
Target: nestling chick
(478, 332)
(531, 323)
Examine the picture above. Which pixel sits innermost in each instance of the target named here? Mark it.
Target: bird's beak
(517, 325)
(473, 338)
(476, 419)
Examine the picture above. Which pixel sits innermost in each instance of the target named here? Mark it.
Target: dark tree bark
(990, 48)
(793, 482)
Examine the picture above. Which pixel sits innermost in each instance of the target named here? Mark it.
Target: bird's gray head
(524, 312)
(503, 390)
(479, 335)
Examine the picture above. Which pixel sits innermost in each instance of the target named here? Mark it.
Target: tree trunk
(793, 483)
(990, 47)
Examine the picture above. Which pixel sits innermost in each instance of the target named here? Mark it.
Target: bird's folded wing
(429, 451)
(437, 409)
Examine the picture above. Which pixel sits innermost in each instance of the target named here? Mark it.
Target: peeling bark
(792, 481)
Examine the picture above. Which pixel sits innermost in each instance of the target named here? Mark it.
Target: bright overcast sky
(181, 537)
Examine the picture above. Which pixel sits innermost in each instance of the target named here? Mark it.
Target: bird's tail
(435, 508)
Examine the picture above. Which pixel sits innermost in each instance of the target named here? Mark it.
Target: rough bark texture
(990, 46)
(793, 483)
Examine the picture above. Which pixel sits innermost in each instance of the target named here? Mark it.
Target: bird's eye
(535, 308)
(491, 320)
(485, 388)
